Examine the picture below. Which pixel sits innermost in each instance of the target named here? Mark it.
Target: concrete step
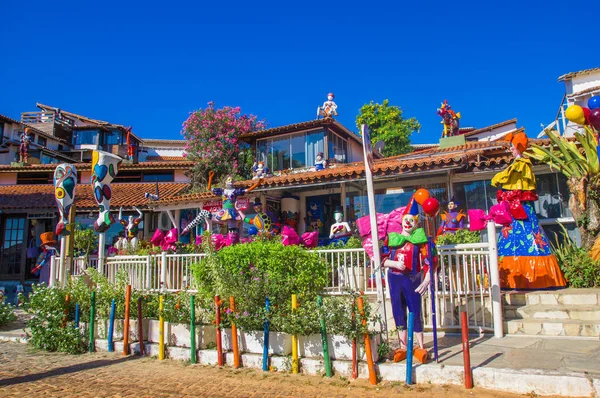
(559, 312)
(583, 297)
(553, 327)
(514, 298)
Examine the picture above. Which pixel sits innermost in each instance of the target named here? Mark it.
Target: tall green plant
(578, 161)
(580, 270)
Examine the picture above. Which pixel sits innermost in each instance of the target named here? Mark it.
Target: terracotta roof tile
(163, 165)
(586, 91)
(490, 128)
(165, 158)
(581, 72)
(126, 195)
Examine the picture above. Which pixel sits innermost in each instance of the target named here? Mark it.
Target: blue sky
(149, 64)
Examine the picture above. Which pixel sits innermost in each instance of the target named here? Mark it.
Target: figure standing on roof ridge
(329, 108)
(24, 146)
(450, 120)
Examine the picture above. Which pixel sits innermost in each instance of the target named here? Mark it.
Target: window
(60, 148)
(42, 141)
(475, 195)
(337, 148)
(85, 137)
(12, 246)
(290, 151)
(112, 138)
(1, 131)
(160, 176)
(34, 178)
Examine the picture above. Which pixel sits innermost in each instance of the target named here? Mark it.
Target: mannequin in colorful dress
(525, 257)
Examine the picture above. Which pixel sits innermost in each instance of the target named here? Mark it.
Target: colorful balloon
(594, 118)
(421, 196)
(586, 114)
(594, 102)
(431, 207)
(105, 167)
(65, 181)
(575, 114)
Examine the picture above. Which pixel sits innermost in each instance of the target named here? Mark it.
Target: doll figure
(452, 220)
(320, 162)
(329, 108)
(340, 230)
(132, 228)
(24, 146)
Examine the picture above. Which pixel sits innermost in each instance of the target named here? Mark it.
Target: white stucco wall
(583, 82)
(496, 133)
(355, 152)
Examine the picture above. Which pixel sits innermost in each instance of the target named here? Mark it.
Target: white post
(368, 159)
(101, 244)
(495, 280)
(52, 280)
(148, 271)
(163, 270)
(62, 271)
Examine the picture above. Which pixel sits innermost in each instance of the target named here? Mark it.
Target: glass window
(564, 194)
(548, 204)
(298, 151)
(12, 246)
(158, 176)
(85, 137)
(337, 148)
(315, 143)
(42, 141)
(112, 138)
(261, 151)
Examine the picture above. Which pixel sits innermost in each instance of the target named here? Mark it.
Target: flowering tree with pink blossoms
(213, 143)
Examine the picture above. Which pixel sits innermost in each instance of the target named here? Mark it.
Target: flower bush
(213, 142)
(7, 314)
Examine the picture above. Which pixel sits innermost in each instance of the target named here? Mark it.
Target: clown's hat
(412, 207)
(47, 238)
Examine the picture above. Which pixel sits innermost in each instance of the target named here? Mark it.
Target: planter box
(154, 331)
(340, 347)
(253, 342)
(179, 335)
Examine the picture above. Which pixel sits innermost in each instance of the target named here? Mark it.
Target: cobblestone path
(25, 372)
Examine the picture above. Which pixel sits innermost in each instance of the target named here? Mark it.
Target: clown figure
(24, 146)
(263, 221)
(408, 278)
(132, 228)
(452, 220)
(42, 266)
(260, 171)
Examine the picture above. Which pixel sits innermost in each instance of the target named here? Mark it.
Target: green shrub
(49, 326)
(459, 237)
(7, 314)
(580, 270)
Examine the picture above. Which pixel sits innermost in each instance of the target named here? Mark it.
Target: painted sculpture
(320, 162)
(259, 171)
(131, 225)
(105, 167)
(24, 146)
(453, 219)
(450, 119)
(329, 108)
(204, 216)
(229, 213)
(65, 182)
(264, 221)
(525, 257)
(406, 257)
(340, 231)
(42, 265)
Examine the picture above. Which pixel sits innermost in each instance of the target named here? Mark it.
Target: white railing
(467, 279)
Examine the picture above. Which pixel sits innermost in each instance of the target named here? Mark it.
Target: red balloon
(594, 118)
(586, 113)
(431, 207)
(421, 196)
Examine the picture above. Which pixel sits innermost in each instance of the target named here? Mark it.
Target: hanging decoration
(105, 167)
(65, 182)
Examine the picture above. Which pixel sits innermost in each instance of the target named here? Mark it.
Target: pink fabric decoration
(232, 238)
(289, 236)
(364, 225)
(218, 240)
(310, 239)
(394, 221)
(169, 240)
(198, 239)
(477, 219)
(501, 213)
(157, 237)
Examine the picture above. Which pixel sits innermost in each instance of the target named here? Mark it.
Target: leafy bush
(7, 314)
(459, 237)
(49, 327)
(580, 270)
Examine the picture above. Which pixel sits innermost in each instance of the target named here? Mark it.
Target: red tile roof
(163, 165)
(586, 91)
(490, 128)
(165, 158)
(581, 72)
(126, 195)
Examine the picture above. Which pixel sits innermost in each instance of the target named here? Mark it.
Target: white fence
(467, 279)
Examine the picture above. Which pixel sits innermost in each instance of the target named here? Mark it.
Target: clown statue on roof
(407, 258)
(229, 213)
(452, 220)
(525, 258)
(329, 108)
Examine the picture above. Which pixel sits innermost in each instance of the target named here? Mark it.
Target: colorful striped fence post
(326, 358)
(161, 329)
(409, 347)
(140, 326)
(266, 337)
(368, 351)
(218, 325)
(192, 329)
(294, 339)
(126, 321)
(92, 319)
(111, 326)
(234, 337)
